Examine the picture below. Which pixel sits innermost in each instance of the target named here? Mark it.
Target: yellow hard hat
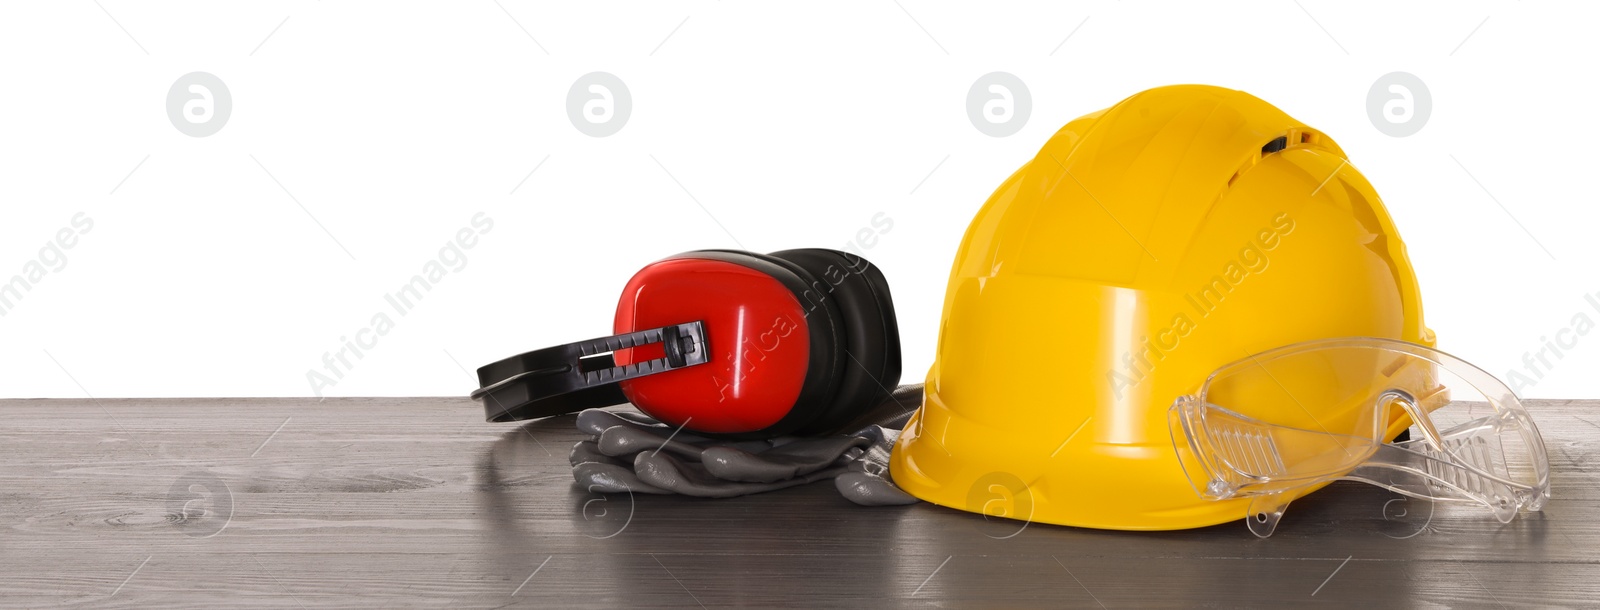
(1146, 245)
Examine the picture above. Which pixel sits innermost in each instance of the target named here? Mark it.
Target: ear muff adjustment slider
(550, 381)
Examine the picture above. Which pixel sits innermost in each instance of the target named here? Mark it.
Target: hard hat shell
(1145, 246)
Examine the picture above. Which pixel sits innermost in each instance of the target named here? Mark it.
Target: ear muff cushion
(825, 326)
(871, 334)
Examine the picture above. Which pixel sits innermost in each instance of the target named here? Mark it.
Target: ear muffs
(723, 342)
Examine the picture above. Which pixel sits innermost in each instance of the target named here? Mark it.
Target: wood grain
(416, 502)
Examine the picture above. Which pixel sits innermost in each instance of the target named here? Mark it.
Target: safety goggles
(1277, 425)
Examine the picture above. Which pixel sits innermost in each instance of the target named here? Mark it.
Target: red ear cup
(772, 355)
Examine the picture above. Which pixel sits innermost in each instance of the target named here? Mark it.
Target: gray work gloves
(631, 452)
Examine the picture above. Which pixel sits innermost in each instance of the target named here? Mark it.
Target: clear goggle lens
(1300, 416)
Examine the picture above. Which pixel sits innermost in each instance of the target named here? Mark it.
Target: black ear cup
(855, 338)
(870, 337)
(827, 329)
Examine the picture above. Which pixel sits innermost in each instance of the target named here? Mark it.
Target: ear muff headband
(581, 375)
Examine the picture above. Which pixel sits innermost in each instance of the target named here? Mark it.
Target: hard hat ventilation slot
(1277, 144)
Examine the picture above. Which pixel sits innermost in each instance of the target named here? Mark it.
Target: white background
(787, 124)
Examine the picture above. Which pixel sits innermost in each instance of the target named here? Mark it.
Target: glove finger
(597, 421)
(868, 482)
(667, 471)
(871, 490)
(625, 440)
(796, 458)
(611, 478)
(588, 452)
(637, 417)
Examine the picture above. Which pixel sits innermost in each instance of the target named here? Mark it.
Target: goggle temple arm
(1465, 464)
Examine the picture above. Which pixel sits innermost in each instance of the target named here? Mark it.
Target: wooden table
(380, 502)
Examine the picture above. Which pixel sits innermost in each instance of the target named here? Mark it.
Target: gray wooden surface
(418, 502)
